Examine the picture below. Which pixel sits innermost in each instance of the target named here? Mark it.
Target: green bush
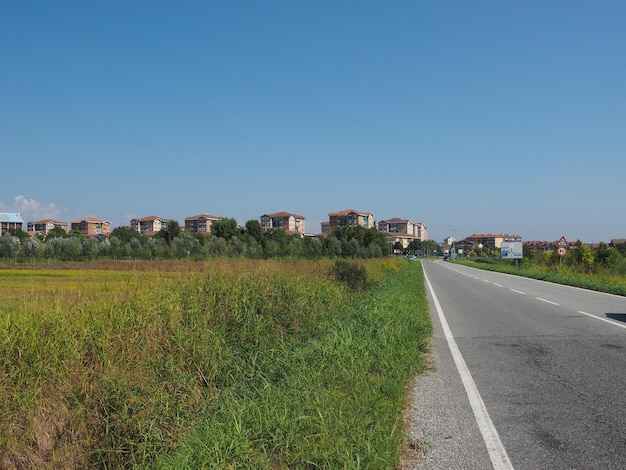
(353, 275)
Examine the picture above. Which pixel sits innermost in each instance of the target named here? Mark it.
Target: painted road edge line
(621, 325)
(497, 452)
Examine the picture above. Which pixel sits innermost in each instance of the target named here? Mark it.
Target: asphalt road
(526, 375)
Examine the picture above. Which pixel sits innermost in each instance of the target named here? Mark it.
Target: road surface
(526, 375)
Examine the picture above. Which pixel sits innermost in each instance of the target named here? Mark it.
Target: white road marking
(519, 291)
(497, 452)
(496, 284)
(621, 325)
(547, 301)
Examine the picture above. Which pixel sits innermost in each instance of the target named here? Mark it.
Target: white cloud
(32, 210)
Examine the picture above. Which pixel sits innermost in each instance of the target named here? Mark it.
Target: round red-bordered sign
(561, 251)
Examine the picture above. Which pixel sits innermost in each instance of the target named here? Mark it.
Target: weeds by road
(236, 364)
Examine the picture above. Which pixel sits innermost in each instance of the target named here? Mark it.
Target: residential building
(200, 223)
(44, 226)
(348, 217)
(92, 227)
(10, 221)
(150, 225)
(490, 240)
(403, 230)
(542, 245)
(325, 228)
(290, 223)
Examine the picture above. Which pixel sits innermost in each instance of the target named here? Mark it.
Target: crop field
(219, 364)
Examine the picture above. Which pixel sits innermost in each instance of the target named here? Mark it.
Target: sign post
(561, 249)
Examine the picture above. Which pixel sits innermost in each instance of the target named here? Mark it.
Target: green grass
(333, 400)
(226, 364)
(608, 283)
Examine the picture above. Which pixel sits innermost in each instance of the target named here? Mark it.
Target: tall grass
(236, 364)
(332, 400)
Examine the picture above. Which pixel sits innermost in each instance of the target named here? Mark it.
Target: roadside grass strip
(224, 364)
(333, 400)
(603, 282)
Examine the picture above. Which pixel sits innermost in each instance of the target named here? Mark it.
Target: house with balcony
(403, 231)
(348, 217)
(292, 224)
(44, 226)
(91, 227)
(150, 225)
(200, 223)
(10, 221)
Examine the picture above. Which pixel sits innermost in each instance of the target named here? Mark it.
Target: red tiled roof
(45, 221)
(206, 216)
(283, 214)
(493, 235)
(88, 219)
(349, 211)
(151, 218)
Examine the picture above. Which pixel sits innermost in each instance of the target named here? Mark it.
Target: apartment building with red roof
(150, 225)
(92, 227)
(200, 223)
(490, 240)
(44, 226)
(290, 223)
(348, 217)
(403, 230)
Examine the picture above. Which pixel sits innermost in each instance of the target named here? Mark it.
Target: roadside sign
(561, 251)
(512, 250)
(562, 242)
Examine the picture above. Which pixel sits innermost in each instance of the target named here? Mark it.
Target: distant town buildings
(45, 226)
(9, 221)
(545, 245)
(491, 240)
(91, 227)
(397, 229)
(403, 231)
(290, 223)
(150, 225)
(200, 223)
(348, 217)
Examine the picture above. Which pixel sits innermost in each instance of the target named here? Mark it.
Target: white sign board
(511, 250)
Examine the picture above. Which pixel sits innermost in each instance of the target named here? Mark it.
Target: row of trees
(582, 258)
(228, 239)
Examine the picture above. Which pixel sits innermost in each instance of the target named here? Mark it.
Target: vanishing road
(527, 375)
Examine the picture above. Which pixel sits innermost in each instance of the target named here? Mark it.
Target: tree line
(583, 259)
(228, 239)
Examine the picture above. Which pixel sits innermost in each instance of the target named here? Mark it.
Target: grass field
(221, 364)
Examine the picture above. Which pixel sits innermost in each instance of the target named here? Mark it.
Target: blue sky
(472, 117)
